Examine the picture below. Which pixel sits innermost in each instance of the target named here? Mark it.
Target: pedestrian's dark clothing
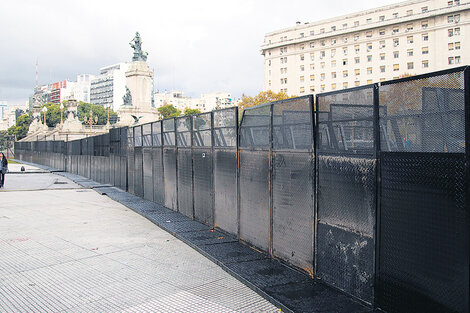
(3, 170)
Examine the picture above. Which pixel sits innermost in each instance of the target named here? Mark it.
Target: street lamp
(44, 110)
(91, 121)
(61, 113)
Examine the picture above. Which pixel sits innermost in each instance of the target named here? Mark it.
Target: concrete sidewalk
(74, 250)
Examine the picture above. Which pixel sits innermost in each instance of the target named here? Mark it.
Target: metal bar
(270, 182)
(378, 192)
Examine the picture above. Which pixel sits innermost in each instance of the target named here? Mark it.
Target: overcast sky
(195, 46)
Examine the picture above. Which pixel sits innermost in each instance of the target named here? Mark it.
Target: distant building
(108, 88)
(3, 108)
(79, 90)
(216, 100)
(207, 102)
(411, 37)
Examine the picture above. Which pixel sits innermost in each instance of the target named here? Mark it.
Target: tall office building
(406, 38)
(108, 88)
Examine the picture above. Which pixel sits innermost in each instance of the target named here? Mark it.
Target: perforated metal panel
(203, 188)
(169, 167)
(138, 172)
(185, 182)
(225, 190)
(130, 170)
(254, 198)
(158, 176)
(148, 173)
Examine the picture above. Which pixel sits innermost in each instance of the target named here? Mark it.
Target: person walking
(3, 168)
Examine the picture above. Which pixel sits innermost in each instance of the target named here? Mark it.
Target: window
(322, 64)
(312, 56)
(312, 88)
(382, 79)
(425, 64)
(302, 35)
(409, 27)
(312, 44)
(302, 78)
(382, 69)
(451, 60)
(369, 81)
(333, 53)
(409, 39)
(302, 68)
(322, 54)
(409, 52)
(395, 30)
(409, 12)
(322, 30)
(356, 37)
(457, 60)
(424, 24)
(369, 20)
(312, 66)
(369, 46)
(457, 31)
(450, 19)
(312, 78)
(425, 37)
(424, 9)
(382, 56)
(269, 82)
(302, 57)
(302, 47)
(357, 49)
(333, 41)
(369, 70)
(369, 34)
(356, 23)
(302, 89)
(396, 54)
(345, 51)
(333, 63)
(345, 73)
(396, 67)
(382, 32)
(369, 58)
(381, 44)
(457, 45)
(396, 42)
(322, 43)
(322, 76)
(283, 50)
(322, 87)
(345, 85)
(395, 15)
(345, 61)
(333, 28)
(333, 75)
(312, 32)
(345, 39)
(382, 18)
(345, 26)
(357, 83)
(425, 50)
(269, 62)
(450, 46)
(333, 86)
(356, 60)
(410, 65)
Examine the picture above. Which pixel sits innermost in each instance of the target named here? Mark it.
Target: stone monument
(137, 106)
(36, 124)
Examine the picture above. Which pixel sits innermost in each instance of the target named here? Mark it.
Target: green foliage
(168, 111)
(3, 139)
(22, 126)
(261, 98)
(189, 111)
(98, 110)
(52, 114)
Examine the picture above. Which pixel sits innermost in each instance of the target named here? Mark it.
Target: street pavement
(64, 248)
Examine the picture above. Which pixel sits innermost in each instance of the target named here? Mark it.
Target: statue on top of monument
(136, 44)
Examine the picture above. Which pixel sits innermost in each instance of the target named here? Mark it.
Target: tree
(22, 126)
(261, 98)
(52, 114)
(98, 110)
(189, 111)
(168, 110)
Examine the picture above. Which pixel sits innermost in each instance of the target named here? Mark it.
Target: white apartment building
(108, 88)
(79, 90)
(407, 38)
(216, 100)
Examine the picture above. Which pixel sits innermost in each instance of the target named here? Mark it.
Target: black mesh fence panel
(147, 135)
(169, 164)
(157, 134)
(148, 173)
(225, 168)
(255, 176)
(158, 176)
(130, 161)
(202, 168)
(424, 222)
(138, 172)
(185, 166)
(346, 190)
(292, 182)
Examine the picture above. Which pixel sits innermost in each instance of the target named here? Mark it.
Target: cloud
(195, 46)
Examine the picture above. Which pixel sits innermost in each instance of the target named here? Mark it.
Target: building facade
(406, 38)
(207, 102)
(108, 88)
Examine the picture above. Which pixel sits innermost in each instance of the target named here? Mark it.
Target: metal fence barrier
(369, 192)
